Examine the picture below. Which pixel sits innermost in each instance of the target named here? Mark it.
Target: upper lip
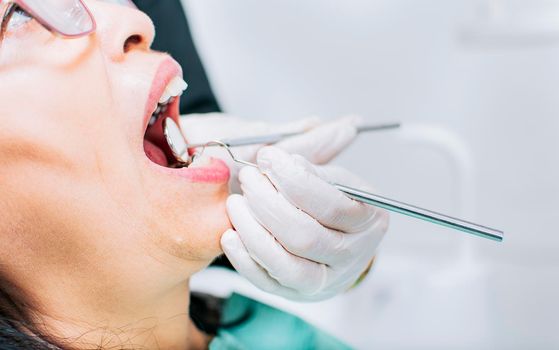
(167, 70)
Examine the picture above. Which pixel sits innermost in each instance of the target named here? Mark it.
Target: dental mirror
(176, 141)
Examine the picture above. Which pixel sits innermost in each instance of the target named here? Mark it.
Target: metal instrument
(273, 138)
(180, 147)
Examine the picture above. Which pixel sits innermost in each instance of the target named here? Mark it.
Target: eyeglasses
(65, 18)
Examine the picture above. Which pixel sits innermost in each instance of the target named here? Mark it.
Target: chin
(192, 232)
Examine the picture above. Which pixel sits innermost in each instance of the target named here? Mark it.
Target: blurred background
(476, 84)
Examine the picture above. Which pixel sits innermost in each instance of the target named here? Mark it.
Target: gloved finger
(199, 128)
(242, 262)
(299, 125)
(299, 233)
(289, 270)
(323, 143)
(298, 182)
(335, 174)
(239, 257)
(248, 153)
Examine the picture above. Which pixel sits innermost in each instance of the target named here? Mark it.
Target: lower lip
(216, 171)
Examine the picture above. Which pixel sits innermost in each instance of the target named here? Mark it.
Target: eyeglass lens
(69, 17)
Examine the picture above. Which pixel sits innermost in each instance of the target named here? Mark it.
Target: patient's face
(77, 186)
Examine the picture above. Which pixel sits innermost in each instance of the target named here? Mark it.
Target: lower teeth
(152, 120)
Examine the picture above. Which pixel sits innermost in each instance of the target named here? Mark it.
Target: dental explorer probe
(179, 147)
(273, 138)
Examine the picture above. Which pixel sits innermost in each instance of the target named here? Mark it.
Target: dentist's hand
(322, 143)
(295, 234)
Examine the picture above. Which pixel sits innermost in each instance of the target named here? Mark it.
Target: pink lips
(216, 171)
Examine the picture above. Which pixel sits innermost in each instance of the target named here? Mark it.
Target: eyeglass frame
(21, 3)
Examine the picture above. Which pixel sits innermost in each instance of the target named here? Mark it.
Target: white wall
(477, 85)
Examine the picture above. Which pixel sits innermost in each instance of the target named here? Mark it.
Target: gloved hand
(319, 145)
(295, 234)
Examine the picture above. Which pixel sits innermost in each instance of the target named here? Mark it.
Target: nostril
(131, 42)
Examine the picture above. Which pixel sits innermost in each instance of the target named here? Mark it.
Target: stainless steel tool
(274, 138)
(180, 147)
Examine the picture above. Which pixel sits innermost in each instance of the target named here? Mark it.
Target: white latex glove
(322, 143)
(296, 235)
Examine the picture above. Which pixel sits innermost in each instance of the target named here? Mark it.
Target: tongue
(154, 153)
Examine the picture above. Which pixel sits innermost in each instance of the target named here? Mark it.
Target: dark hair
(18, 329)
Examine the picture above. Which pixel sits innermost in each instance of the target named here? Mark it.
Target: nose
(121, 29)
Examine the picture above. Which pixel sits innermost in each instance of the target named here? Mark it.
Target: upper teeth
(175, 88)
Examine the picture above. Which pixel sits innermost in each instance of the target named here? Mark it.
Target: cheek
(37, 46)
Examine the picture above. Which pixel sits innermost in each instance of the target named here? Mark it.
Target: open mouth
(163, 105)
(156, 147)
